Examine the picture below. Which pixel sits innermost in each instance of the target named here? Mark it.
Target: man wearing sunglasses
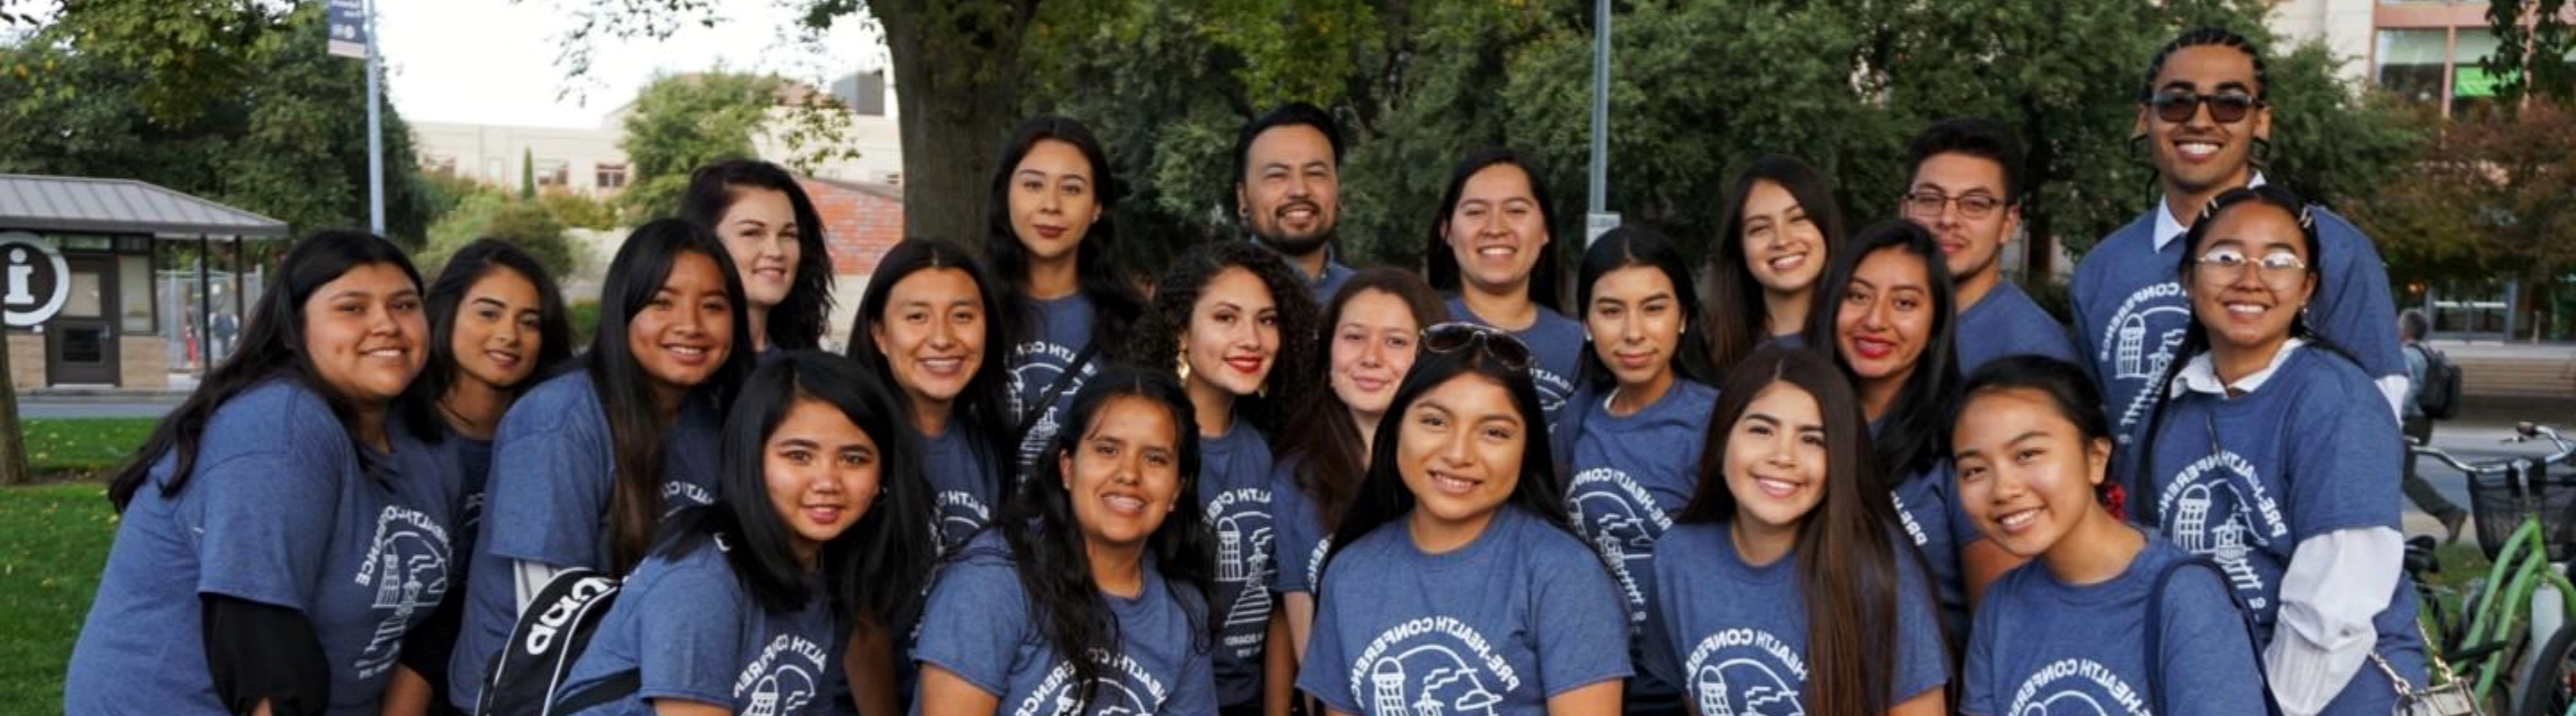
(2203, 121)
(1966, 189)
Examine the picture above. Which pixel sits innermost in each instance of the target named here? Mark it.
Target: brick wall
(859, 225)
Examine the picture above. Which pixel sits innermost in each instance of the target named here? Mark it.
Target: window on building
(554, 172)
(2411, 63)
(494, 169)
(438, 166)
(611, 176)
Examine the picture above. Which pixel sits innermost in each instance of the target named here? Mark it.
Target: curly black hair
(1156, 339)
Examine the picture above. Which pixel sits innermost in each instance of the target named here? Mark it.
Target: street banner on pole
(348, 21)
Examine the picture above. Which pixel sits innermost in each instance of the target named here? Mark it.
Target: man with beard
(1967, 192)
(1287, 189)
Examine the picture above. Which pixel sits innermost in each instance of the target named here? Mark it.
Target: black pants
(2418, 490)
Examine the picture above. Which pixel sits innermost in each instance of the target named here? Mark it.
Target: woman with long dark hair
(775, 237)
(1053, 243)
(1453, 583)
(2034, 451)
(1631, 439)
(1784, 579)
(1887, 310)
(826, 526)
(1243, 327)
(284, 528)
(2270, 451)
(1492, 251)
(927, 328)
(1780, 230)
(1090, 594)
(587, 464)
(497, 325)
(1372, 333)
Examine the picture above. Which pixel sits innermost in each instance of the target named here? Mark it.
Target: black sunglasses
(2177, 106)
(1456, 336)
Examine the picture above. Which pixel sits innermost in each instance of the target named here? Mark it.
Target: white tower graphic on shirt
(1431, 666)
(1622, 521)
(2218, 507)
(785, 691)
(1745, 671)
(2076, 687)
(1241, 519)
(2138, 344)
(407, 566)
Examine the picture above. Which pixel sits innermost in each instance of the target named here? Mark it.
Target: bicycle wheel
(2550, 688)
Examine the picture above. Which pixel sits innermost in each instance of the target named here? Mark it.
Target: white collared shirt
(2169, 228)
(2200, 374)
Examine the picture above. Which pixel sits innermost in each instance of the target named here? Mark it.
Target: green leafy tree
(527, 174)
(680, 122)
(2529, 34)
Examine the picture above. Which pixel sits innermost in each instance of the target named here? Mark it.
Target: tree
(13, 445)
(528, 174)
(680, 122)
(2529, 33)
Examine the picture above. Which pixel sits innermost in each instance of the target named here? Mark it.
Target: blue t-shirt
(1521, 614)
(1734, 635)
(1556, 353)
(968, 492)
(1059, 328)
(2007, 323)
(2130, 312)
(2244, 480)
(282, 509)
(2053, 647)
(1927, 508)
(1631, 475)
(1234, 494)
(553, 467)
(980, 627)
(472, 458)
(1303, 536)
(693, 633)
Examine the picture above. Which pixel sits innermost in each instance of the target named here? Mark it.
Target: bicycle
(2526, 522)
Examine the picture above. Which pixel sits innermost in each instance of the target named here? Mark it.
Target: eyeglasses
(1456, 336)
(2178, 106)
(2230, 262)
(1930, 204)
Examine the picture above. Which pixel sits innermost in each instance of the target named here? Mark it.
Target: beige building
(2423, 50)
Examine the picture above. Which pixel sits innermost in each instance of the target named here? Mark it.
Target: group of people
(1829, 471)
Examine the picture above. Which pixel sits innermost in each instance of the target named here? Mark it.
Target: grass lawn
(80, 447)
(53, 542)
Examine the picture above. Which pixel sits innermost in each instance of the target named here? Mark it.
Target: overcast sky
(494, 61)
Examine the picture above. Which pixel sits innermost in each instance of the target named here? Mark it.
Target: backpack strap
(2156, 634)
(1063, 381)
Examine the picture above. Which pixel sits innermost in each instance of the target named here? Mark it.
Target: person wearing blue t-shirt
(2202, 117)
(926, 327)
(1781, 228)
(1631, 439)
(1242, 327)
(1372, 331)
(1089, 596)
(1492, 251)
(587, 464)
(2272, 453)
(2033, 453)
(774, 235)
(1053, 245)
(739, 609)
(1454, 583)
(497, 326)
(291, 522)
(1889, 310)
(1785, 589)
(1966, 190)
(1288, 191)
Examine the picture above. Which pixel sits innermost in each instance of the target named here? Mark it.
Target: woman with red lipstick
(1631, 439)
(587, 464)
(739, 608)
(1888, 310)
(775, 237)
(1372, 332)
(1780, 230)
(1053, 244)
(1243, 328)
(2034, 453)
(497, 326)
(1453, 584)
(2271, 450)
(1780, 584)
(1090, 594)
(1492, 252)
(256, 522)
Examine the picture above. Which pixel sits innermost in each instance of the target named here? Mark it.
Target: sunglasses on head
(1456, 336)
(2177, 106)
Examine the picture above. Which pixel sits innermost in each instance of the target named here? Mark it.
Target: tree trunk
(957, 77)
(13, 444)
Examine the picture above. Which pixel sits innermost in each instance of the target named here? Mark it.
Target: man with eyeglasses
(1966, 189)
(2203, 121)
